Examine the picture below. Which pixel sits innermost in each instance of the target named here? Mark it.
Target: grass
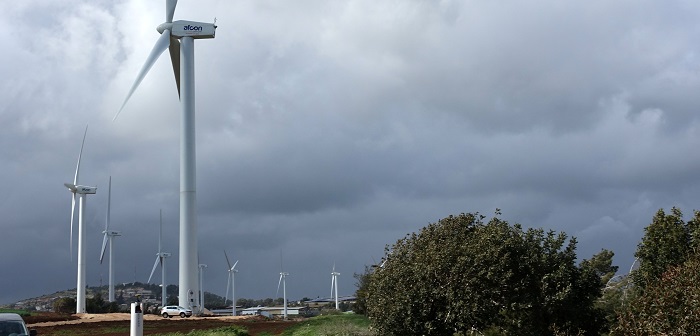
(16, 311)
(223, 331)
(329, 325)
(66, 332)
(332, 325)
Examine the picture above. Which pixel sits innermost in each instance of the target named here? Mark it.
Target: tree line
(466, 275)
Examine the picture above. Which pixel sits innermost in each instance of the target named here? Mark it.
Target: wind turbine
(182, 57)
(160, 259)
(283, 282)
(231, 281)
(109, 236)
(334, 285)
(80, 191)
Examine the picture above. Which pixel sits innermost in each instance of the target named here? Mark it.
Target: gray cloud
(327, 130)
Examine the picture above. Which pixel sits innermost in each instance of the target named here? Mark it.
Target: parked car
(170, 311)
(12, 324)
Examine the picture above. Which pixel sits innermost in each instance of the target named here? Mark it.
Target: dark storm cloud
(327, 130)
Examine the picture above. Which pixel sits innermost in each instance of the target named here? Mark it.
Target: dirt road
(118, 324)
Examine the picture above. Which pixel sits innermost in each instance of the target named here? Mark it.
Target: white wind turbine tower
(109, 236)
(334, 286)
(231, 281)
(81, 191)
(186, 32)
(160, 259)
(201, 287)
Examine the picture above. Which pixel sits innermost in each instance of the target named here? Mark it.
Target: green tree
(461, 274)
(64, 305)
(617, 294)
(95, 304)
(693, 228)
(363, 279)
(610, 301)
(601, 264)
(212, 301)
(668, 306)
(666, 242)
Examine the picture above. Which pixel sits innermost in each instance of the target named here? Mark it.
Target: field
(344, 324)
(48, 324)
(118, 324)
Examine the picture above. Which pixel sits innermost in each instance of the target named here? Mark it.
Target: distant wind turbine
(170, 32)
(109, 236)
(81, 191)
(231, 281)
(160, 259)
(334, 286)
(283, 282)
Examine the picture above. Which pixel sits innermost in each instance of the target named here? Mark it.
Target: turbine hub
(164, 26)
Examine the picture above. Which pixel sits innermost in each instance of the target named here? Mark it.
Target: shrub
(461, 275)
(668, 307)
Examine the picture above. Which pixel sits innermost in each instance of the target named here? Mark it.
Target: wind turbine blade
(227, 260)
(234, 265)
(72, 215)
(278, 286)
(170, 10)
(80, 155)
(155, 265)
(104, 247)
(109, 203)
(160, 233)
(158, 48)
(174, 49)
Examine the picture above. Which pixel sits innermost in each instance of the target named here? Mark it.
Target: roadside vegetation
(466, 275)
(223, 331)
(328, 325)
(21, 312)
(332, 325)
(664, 298)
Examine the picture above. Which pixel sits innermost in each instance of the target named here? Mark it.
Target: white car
(12, 324)
(170, 311)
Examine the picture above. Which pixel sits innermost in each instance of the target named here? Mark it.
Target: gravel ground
(118, 324)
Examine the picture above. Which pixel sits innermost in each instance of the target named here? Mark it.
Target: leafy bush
(667, 242)
(65, 305)
(461, 275)
(332, 325)
(668, 307)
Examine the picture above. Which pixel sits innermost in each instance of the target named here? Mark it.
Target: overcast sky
(329, 129)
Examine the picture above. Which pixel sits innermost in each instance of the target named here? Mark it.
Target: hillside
(124, 294)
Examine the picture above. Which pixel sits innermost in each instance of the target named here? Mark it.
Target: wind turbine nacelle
(197, 30)
(85, 189)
